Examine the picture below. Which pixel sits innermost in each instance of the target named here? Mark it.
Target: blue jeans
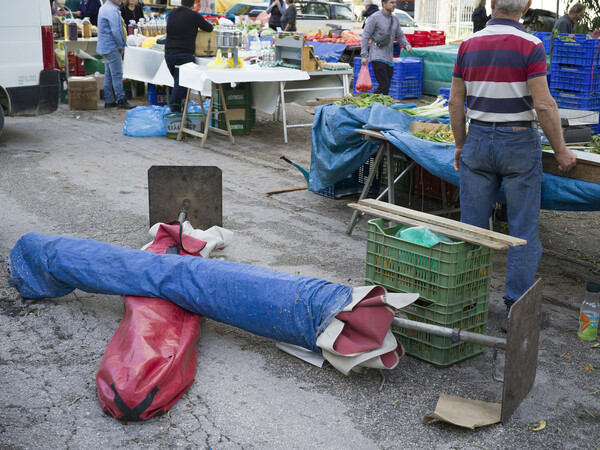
(492, 156)
(179, 92)
(113, 77)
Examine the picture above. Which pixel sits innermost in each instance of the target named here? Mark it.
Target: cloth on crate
(341, 151)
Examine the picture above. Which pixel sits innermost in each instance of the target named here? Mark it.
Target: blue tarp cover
(328, 51)
(337, 151)
(285, 307)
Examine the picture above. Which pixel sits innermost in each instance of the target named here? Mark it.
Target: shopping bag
(364, 83)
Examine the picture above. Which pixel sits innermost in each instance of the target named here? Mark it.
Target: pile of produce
(439, 108)
(347, 37)
(364, 100)
(442, 134)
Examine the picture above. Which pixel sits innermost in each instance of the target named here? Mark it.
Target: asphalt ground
(75, 173)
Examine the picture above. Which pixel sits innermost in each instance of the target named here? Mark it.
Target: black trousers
(383, 74)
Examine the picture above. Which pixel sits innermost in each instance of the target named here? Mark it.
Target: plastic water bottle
(590, 310)
(86, 26)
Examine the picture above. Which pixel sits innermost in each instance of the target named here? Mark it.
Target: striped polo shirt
(495, 64)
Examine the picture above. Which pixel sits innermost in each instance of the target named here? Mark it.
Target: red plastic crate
(75, 66)
(431, 186)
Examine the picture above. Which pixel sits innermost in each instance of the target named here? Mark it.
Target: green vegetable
(433, 137)
(438, 108)
(365, 100)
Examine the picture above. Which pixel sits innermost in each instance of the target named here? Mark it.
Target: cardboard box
(100, 82)
(83, 93)
(206, 43)
(422, 127)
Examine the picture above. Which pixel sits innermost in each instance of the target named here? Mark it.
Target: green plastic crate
(237, 97)
(445, 274)
(91, 66)
(441, 351)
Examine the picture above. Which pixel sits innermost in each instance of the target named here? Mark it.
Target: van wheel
(1, 119)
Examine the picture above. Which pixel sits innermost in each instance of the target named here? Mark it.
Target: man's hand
(566, 160)
(408, 48)
(457, 158)
(365, 61)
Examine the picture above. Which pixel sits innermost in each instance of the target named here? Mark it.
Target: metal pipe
(454, 334)
(183, 211)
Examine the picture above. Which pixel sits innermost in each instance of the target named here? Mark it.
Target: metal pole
(454, 334)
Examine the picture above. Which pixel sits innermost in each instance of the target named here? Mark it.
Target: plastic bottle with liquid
(86, 27)
(590, 310)
(73, 30)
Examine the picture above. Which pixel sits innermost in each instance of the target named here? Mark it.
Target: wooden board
(587, 168)
(434, 228)
(310, 63)
(443, 222)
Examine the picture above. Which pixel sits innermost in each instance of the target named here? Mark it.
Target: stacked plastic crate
(575, 82)
(238, 100)
(426, 38)
(452, 279)
(407, 80)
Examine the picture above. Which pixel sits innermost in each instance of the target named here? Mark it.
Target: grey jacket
(378, 25)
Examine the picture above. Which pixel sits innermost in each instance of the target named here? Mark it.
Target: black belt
(516, 123)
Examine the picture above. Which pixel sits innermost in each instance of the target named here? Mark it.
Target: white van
(28, 80)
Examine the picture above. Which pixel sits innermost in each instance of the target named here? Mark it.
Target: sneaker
(123, 104)
(110, 105)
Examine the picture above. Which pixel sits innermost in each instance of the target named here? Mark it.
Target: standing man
(288, 19)
(111, 43)
(182, 26)
(381, 29)
(505, 86)
(565, 24)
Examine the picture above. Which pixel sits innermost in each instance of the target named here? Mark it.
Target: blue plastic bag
(145, 121)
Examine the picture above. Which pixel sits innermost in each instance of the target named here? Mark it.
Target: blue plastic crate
(575, 78)
(410, 88)
(582, 52)
(445, 92)
(546, 40)
(406, 68)
(575, 100)
(354, 183)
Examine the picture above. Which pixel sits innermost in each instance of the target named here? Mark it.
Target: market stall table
(272, 88)
(86, 45)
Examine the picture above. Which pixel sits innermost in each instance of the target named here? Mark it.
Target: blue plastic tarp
(285, 307)
(328, 51)
(338, 151)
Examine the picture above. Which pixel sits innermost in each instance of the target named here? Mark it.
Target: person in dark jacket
(288, 19)
(276, 9)
(182, 26)
(370, 9)
(89, 8)
(480, 17)
(131, 10)
(564, 25)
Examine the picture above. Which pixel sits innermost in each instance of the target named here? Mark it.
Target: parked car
(251, 9)
(408, 24)
(29, 84)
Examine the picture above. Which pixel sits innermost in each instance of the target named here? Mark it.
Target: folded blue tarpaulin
(338, 151)
(285, 307)
(328, 51)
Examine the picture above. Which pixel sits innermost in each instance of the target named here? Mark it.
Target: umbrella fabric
(151, 360)
(289, 308)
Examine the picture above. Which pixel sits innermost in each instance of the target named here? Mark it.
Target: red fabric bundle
(151, 360)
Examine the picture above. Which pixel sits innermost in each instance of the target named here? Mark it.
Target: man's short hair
(577, 8)
(291, 2)
(511, 7)
(384, 1)
(187, 3)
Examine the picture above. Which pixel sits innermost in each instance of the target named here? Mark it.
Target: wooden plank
(587, 168)
(443, 222)
(281, 191)
(328, 99)
(434, 228)
(371, 133)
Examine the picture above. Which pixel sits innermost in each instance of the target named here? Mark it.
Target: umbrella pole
(520, 345)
